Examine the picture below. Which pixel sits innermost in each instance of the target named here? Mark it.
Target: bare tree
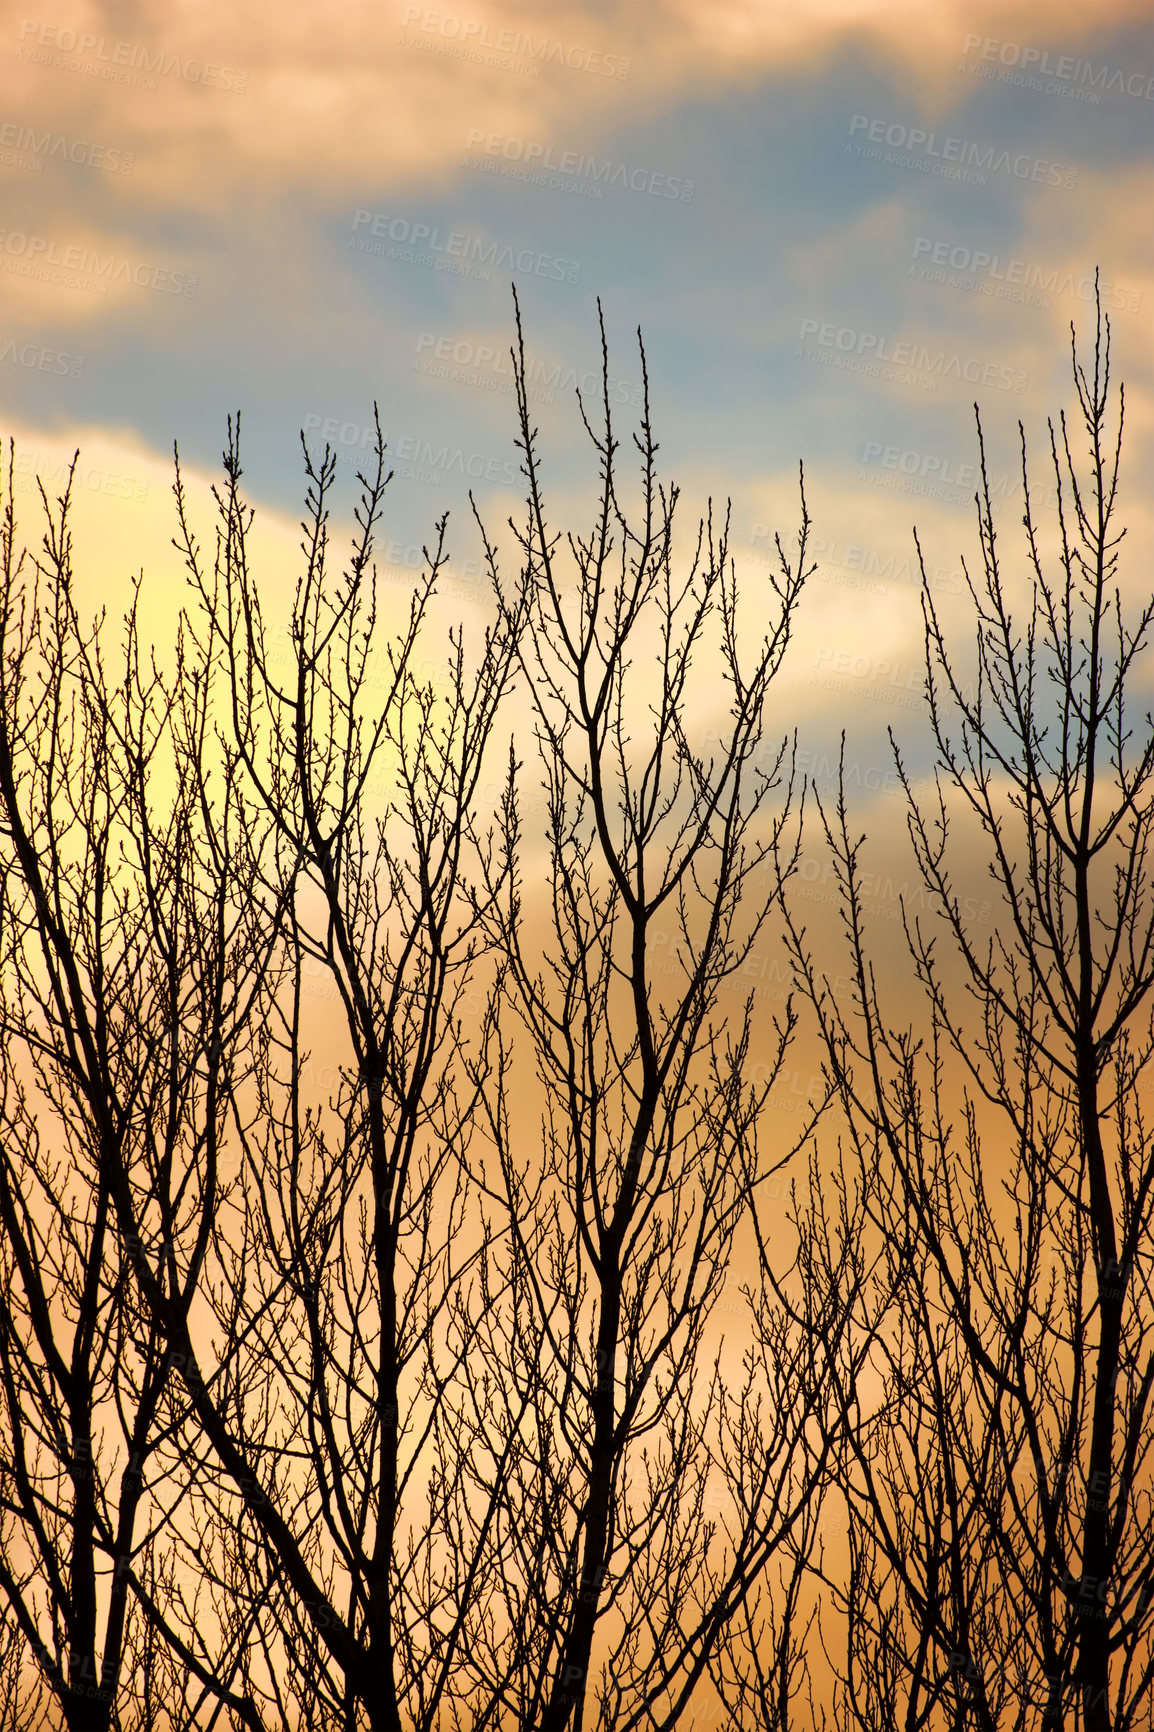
(617, 1421)
(998, 1171)
(337, 1513)
(341, 1288)
(128, 965)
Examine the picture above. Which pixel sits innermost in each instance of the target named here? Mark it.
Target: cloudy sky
(839, 222)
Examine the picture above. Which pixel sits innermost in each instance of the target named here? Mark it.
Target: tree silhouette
(998, 1472)
(130, 962)
(376, 1141)
(374, 1397)
(616, 1420)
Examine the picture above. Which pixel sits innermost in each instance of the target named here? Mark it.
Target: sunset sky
(839, 222)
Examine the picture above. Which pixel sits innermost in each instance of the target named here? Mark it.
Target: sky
(839, 223)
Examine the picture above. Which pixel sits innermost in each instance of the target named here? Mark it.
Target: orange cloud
(219, 104)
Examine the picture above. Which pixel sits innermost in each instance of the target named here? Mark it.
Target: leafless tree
(128, 966)
(392, 1392)
(998, 1168)
(645, 1481)
(342, 1281)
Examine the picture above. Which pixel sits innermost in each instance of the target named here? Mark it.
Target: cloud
(123, 519)
(222, 106)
